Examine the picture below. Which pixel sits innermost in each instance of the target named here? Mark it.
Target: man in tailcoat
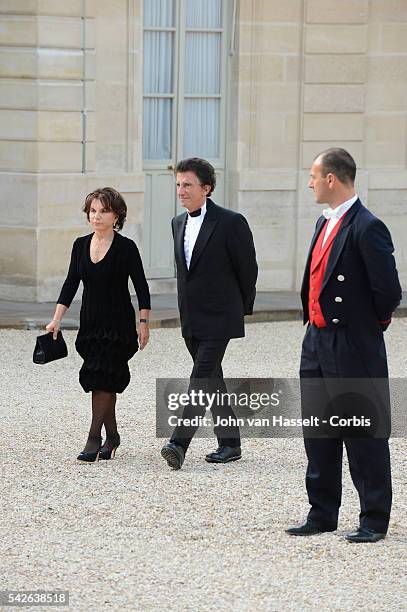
(216, 281)
(349, 292)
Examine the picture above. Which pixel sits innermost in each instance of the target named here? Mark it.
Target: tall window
(202, 83)
(183, 51)
(159, 46)
(184, 110)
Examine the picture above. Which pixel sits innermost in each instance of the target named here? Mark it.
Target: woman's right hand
(54, 327)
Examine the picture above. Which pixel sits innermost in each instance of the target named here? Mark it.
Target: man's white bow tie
(330, 213)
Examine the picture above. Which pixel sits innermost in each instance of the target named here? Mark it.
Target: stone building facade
(297, 76)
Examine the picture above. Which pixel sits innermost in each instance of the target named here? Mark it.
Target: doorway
(184, 110)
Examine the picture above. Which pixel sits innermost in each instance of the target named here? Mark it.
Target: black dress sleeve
(71, 284)
(136, 272)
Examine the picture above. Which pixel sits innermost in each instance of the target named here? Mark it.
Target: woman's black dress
(107, 336)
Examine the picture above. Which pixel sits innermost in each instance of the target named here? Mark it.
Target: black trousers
(323, 351)
(207, 356)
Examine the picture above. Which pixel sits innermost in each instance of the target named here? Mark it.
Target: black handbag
(47, 349)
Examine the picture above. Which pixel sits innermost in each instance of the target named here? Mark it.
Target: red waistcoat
(319, 262)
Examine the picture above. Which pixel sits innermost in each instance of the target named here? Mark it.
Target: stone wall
(307, 74)
(312, 74)
(69, 122)
(269, 100)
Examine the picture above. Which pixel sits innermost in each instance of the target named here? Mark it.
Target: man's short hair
(204, 171)
(339, 162)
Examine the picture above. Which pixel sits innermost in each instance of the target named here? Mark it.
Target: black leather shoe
(108, 450)
(224, 454)
(365, 534)
(173, 454)
(309, 528)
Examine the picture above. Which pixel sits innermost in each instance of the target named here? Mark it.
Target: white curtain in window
(204, 13)
(158, 62)
(202, 78)
(159, 13)
(202, 63)
(201, 127)
(157, 128)
(158, 79)
(201, 116)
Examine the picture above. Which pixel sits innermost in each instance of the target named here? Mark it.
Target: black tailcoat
(220, 286)
(360, 288)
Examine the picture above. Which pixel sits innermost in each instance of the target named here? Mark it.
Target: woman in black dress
(107, 336)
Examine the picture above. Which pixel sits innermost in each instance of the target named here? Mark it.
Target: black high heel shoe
(88, 457)
(110, 452)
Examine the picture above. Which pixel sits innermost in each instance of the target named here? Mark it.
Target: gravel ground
(131, 534)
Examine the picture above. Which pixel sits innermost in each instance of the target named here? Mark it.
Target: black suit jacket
(220, 286)
(360, 288)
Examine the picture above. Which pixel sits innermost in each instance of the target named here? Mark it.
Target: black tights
(103, 413)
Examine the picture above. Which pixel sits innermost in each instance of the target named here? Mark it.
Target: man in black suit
(349, 292)
(216, 279)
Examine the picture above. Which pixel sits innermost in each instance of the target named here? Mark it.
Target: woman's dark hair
(202, 168)
(339, 162)
(112, 201)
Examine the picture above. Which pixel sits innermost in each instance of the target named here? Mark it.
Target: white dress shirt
(334, 214)
(191, 234)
